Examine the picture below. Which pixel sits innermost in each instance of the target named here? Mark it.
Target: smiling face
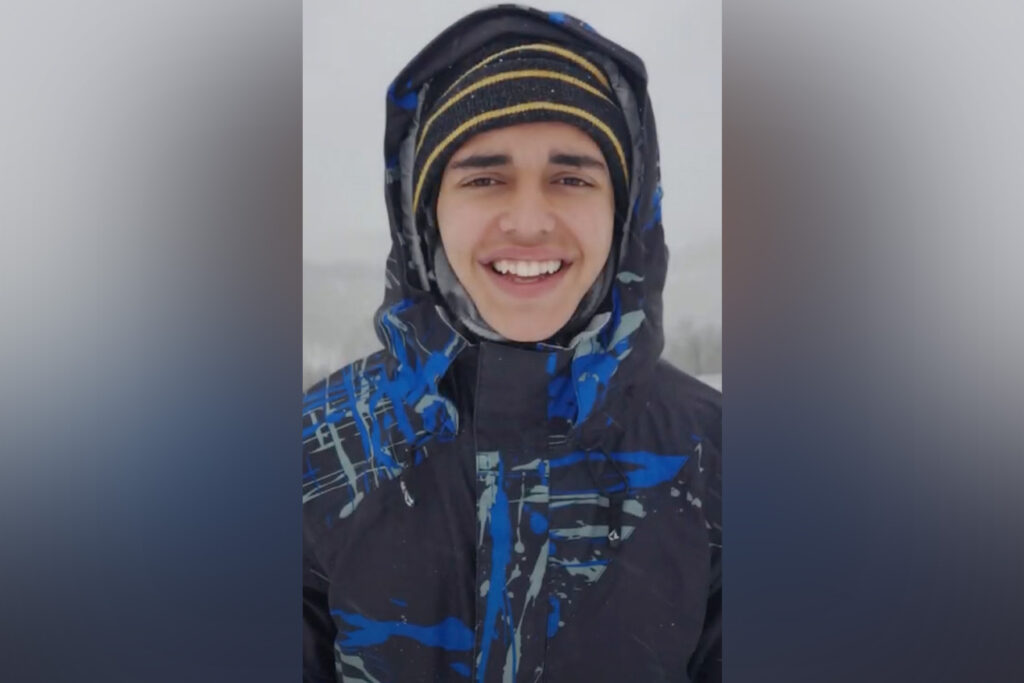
(526, 215)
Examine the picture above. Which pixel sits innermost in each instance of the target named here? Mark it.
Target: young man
(516, 488)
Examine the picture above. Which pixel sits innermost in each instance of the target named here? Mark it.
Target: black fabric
(565, 514)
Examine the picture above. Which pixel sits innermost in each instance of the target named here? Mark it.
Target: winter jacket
(497, 512)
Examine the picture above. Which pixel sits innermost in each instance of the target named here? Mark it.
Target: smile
(526, 269)
(527, 279)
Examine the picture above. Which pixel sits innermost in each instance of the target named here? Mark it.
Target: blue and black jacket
(493, 512)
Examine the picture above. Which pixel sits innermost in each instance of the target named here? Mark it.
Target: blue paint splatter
(593, 372)
(557, 18)
(407, 101)
(450, 634)
(418, 377)
(561, 398)
(538, 523)
(656, 206)
(554, 614)
(653, 469)
(400, 603)
(561, 393)
(461, 668)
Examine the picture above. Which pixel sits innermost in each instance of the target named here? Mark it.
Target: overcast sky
(352, 50)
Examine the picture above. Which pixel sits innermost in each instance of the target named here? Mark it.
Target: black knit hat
(513, 84)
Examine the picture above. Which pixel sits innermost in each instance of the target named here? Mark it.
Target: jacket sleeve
(318, 631)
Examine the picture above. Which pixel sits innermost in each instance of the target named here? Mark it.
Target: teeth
(526, 268)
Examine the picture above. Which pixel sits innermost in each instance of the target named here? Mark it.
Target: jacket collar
(543, 383)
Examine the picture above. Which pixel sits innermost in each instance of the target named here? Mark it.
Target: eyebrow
(482, 161)
(561, 159)
(576, 160)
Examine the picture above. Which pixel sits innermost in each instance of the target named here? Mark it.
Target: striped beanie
(520, 83)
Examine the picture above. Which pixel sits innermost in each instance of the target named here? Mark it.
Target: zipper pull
(616, 501)
(407, 466)
(409, 500)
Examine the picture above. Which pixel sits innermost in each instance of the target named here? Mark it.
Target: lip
(512, 286)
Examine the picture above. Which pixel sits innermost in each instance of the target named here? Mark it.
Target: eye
(572, 181)
(480, 182)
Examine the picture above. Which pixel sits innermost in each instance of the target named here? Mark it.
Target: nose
(528, 214)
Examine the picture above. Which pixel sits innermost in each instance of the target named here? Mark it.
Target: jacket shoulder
(358, 369)
(687, 396)
(330, 397)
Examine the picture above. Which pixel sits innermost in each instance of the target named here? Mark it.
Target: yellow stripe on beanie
(507, 76)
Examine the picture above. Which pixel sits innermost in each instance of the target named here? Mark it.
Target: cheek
(594, 233)
(455, 230)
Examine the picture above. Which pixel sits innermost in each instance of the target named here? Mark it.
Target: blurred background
(351, 51)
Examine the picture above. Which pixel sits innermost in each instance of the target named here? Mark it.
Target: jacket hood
(624, 339)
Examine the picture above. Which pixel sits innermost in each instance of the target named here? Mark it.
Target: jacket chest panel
(546, 564)
(642, 603)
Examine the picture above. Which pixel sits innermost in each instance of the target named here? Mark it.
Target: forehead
(528, 138)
